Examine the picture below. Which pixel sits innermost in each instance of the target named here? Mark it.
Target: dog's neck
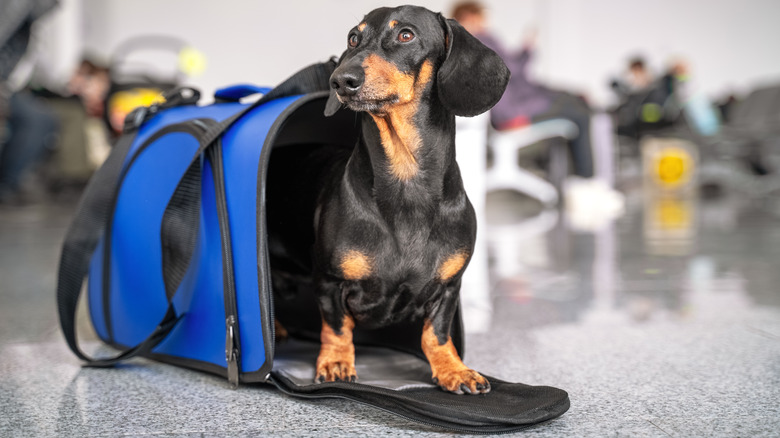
(400, 140)
(407, 167)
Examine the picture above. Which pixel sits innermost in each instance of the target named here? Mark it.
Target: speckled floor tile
(652, 335)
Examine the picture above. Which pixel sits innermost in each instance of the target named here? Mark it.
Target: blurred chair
(69, 162)
(743, 153)
(506, 173)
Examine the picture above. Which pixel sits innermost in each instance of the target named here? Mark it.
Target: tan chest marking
(355, 265)
(400, 138)
(452, 265)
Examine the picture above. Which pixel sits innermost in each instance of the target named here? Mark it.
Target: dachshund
(390, 230)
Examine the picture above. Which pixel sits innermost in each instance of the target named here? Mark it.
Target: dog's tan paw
(463, 381)
(336, 361)
(336, 371)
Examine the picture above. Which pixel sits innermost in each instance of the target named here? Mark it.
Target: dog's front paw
(465, 381)
(334, 371)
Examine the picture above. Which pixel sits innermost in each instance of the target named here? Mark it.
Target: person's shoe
(591, 203)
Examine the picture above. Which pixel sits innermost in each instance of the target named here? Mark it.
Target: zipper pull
(231, 352)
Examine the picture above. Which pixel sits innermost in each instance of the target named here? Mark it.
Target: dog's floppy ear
(472, 77)
(333, 104)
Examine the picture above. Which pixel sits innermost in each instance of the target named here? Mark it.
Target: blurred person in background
(643, 102)
(27, 126)
(91, 83)
(524, 101)
(637, 77)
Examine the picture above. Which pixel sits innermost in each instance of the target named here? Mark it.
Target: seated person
(524, 101)
(26, 125)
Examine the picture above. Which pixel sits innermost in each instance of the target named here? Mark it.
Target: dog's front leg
(336, 361)
(449, 371)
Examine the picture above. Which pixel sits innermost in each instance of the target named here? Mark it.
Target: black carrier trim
(232, 331)
(263, 261)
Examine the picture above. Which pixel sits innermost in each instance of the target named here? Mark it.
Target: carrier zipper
(232, 332)
(231, 350)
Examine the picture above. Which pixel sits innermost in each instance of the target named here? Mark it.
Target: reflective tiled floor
(664, 322)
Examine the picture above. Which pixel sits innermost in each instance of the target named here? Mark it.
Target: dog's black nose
(347, 82)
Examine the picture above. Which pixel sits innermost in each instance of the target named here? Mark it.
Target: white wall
(729, 44)
(244, 41)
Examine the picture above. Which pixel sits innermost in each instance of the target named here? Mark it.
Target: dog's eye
(353, 40)
(405, 36)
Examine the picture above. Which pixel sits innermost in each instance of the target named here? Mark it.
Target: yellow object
(192, 61)
(122, 102)
(129, 100)
(673, 167)
(673, 214)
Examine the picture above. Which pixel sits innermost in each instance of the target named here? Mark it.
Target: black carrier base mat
(400, 383)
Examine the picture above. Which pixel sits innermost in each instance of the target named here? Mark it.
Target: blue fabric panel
(137, 298)
(201, 333)
(180, 114)
(168, 117)
(137, 292)
(242, 146)
(236, 92)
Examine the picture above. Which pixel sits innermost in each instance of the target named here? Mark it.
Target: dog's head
(395, 55)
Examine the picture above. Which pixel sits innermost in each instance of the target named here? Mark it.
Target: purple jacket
(522, 98)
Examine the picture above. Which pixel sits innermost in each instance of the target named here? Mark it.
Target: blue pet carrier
(171, 234)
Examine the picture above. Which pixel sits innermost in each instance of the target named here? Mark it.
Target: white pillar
(58, 43)
(471, 150)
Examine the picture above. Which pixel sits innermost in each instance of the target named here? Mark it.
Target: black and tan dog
(393, 229)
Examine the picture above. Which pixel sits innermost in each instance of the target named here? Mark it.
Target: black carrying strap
(81, 240)
(180, 217)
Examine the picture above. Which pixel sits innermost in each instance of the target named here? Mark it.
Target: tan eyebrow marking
(392, 23)
(361, 26)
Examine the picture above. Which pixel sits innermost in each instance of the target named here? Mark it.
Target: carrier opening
(306, 145)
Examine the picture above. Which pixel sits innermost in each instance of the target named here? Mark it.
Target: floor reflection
(663, 321)
(670, 256)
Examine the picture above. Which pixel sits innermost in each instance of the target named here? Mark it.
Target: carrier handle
(234, 93)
